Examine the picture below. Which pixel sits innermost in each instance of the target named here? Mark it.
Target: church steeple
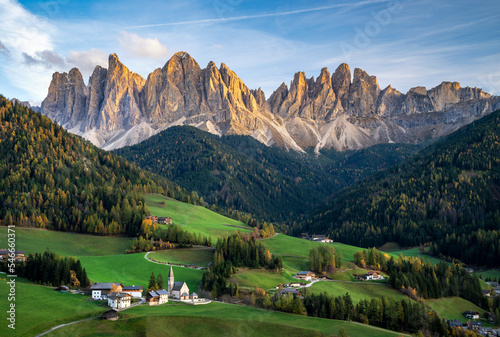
(170, 280)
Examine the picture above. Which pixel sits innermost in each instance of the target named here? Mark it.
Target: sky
(405, 43)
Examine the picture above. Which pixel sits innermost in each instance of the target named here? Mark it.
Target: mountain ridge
(119, 108)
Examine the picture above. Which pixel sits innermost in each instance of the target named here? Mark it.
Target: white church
(178, 290)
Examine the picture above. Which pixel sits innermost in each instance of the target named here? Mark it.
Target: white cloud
(87, 60)
(143, 47)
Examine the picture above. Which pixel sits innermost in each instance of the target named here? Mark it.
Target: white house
(134, 291)
(119, 300)
(100, 291)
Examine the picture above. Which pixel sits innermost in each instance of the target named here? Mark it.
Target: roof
(152, 294)
(162, 292)
(132, 288)
(290, 291)
(118, 295)
(103, 286)
(185, 294)
(110, 313)
(194, 294)
(178, 285)
(303, 273)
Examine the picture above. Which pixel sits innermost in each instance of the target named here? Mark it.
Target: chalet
(294, 284)
(371, 275)
(455, 323)
(157, 297)
(152, 218)
(134, 291)
(177, 289)
(165, 220)
(295, 292)
(305, 275)
(18, 255)
(100, 291)
(192, 266)
(110, 315)
(119, 300)
(471, 314)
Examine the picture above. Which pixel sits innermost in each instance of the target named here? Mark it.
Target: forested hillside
(447, 195)
(238, 173)
(50, 178)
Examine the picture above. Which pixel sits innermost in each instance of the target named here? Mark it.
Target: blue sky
(405, 43)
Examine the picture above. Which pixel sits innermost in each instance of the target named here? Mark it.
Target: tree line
(324, 259)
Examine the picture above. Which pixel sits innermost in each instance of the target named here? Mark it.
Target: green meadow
(40, 308)
(200, 256)
(67, 244)
(358, 291)
(453, 307)
(134, 269)
(262, 278)
(195, 219)
(205, 320)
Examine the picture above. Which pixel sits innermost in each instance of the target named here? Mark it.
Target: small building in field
(110, 315)
(305, 275)
(100, 291)
(165, 220)
(371, 275)
(119, 300)
(133, 290)
(194, 296)
(471, 314)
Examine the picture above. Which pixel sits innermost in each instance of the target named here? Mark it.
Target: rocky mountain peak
(341, 82)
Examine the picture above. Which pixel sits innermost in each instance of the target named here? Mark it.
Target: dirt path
(63, 325)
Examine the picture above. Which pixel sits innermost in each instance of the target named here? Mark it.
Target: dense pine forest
(238, 173)
(52, 179)
(447, 195)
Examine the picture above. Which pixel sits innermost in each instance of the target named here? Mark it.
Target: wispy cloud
(260, 16)
(142, 47)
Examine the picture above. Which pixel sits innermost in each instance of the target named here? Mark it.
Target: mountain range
(340, 110)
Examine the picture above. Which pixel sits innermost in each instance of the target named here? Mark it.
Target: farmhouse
(305, 275)
(134, 291)
(119, 300)
(152, 218)
(455, 322)
(100, 291)
(177, 289)
(320, 238)
(165, 220)
(110, 315)
(18, 255)
(371, 275)
(471, 314)
(157, 297)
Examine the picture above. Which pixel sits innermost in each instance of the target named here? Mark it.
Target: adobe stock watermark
(11, 276)
(364, 36)
(223, 7)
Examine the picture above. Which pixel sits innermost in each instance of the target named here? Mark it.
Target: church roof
(178, 285)
(171, 273)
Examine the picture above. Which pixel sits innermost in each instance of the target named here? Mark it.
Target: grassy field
(357, 291)
(263, 279)
(196, 219)
(490, 273)
(453, 307)
(183, 320)
(39, 308)
(415, 252)
(200, 256)
(68, 244)
(350, 275)
(133, 269)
